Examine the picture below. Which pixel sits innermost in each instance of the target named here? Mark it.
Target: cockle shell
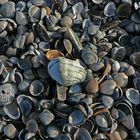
(66, 72)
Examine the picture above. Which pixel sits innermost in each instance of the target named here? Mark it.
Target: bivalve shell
(66, 72)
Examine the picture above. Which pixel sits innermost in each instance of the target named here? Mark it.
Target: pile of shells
(70, 70)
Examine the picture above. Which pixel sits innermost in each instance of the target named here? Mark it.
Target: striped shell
(7, 93)
(66, 72)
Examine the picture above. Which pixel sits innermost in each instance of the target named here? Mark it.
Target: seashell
(46, 117)
(32, 126)
(92, 86)
(24, 85)
(34, 13)
(101, 121)
(124, 10)
(61, 92)
(77, 88)
(93, 29)
(25, 104)
(99, 136)
(89, 57)
(107, 101)
(7, 93)
(24, 134)
(8, 9)
(135, 18)
(135, 58)
(77, 8)
(3, 1)
(36, 88)
(10, 131)
(66, 21)
(104, 46)
(42, 32)
(118, 53)
(97, 66)
(133, 96)
(38, 2)
(72, 36)
(122, 131)
(20, 6)
(29, 38)
(76, 118)
(19, 41)
(51, 54)
(77, 72)
(115, 135)
(82, 134)
(24, 64)
(3, 25)
(110, 9)
(121, 79)
(35, 62)
(130, 71)
(97, 1)
(44, 46)
(68, 46)
(124, 39)
(134, 133)
(136, 82)
(107, 87)
(129, 122)
(64, 137)
(21, 19)
(12, 111)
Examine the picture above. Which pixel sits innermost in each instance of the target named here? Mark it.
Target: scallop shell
(66, 72)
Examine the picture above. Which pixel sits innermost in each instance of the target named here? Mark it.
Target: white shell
(66, 72)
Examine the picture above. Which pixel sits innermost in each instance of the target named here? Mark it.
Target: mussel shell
(32, 126)
(60, 68)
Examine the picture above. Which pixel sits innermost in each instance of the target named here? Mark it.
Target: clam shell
(12, 111)
(38, 2)
(82, 134)
(36, 88)
(133, 95)
(60, 68)
(51, 54)
(97, 1)
(110, 9)
(107, 87)
(7, 93)
(89, 57)
(46, 117)
(8, 9)
(76, 118)
(124, 10)
(66, 21)
(92, 86)
(3, 25)
(25, 104)
(118, 53)
(10, 131)
(135, 58)
(121, 79)
(21, 19)
(32, 126)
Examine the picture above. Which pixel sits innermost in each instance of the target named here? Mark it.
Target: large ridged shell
(66, 72)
